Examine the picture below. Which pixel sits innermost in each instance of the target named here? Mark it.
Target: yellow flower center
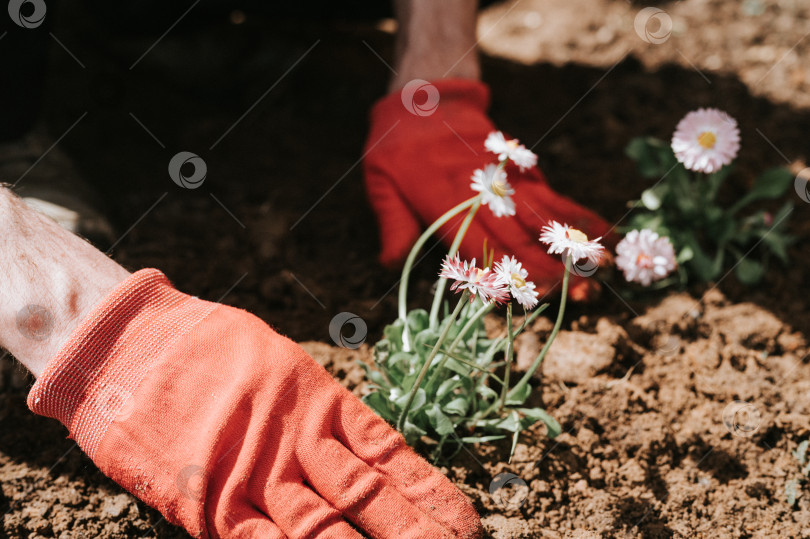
(519, 281)
(499, 188)
(643, 261)
(478, 274)
(576, 235)
(707, 139)
(513, 144)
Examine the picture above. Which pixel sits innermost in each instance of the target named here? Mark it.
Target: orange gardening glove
(418, 167)
(231, 430)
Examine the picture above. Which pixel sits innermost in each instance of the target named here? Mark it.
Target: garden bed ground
(645, 450)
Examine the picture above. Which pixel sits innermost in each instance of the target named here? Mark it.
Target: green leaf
(457, 406)
(538, 414)
(777, 244)
(447, 386)
(381, 405)
(487, 392)
(439, 421)
(792, 492)
(772, 183)
(510, 422)
(393, 334)
(800, 453)
(376, 377)
(419, 400)
(481, 439)
(418, 320)
(520, 396)
(749, 271)
(413, 432)
(652, 156)
(457, 367)
(684, 255)
(424, 341)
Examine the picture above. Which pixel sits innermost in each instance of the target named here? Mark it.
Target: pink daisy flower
(568, 241)
(511, 274)
(706, 140)
(510, 149)
(480, 282)
(644, 257)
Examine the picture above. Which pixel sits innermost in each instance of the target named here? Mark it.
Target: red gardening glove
(418, 167)
(231, 430)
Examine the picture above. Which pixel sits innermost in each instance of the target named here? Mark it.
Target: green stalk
(478, 314)
(528, 375)
(401, 423)
(462, 231)
(510, 349)
(406, 269)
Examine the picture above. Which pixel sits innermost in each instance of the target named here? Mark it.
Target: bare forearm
(436, 39)
(51, 281)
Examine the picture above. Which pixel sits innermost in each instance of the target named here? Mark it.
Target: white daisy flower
(645, 257)
(495, 190)
(510, 149)
(706, 140)
(571, 242)
(511, 273)
(483, 283)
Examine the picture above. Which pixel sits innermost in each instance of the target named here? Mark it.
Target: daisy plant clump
(439, 377)
(682, 208)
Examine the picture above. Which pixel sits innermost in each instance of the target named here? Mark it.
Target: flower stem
(539, 359)
(478, 314)
(510, 348)
(406, 269)
(462, 231)
(404, 415)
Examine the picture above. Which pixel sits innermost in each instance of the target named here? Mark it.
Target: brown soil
(645, 451)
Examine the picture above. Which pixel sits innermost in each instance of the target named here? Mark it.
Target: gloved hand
(231, 430)
(418, 167)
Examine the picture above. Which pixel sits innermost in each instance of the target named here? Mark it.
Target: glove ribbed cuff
(469, 92)
(90, 381)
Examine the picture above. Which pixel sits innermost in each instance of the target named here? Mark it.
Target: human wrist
(435, 40)
(53, 280)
